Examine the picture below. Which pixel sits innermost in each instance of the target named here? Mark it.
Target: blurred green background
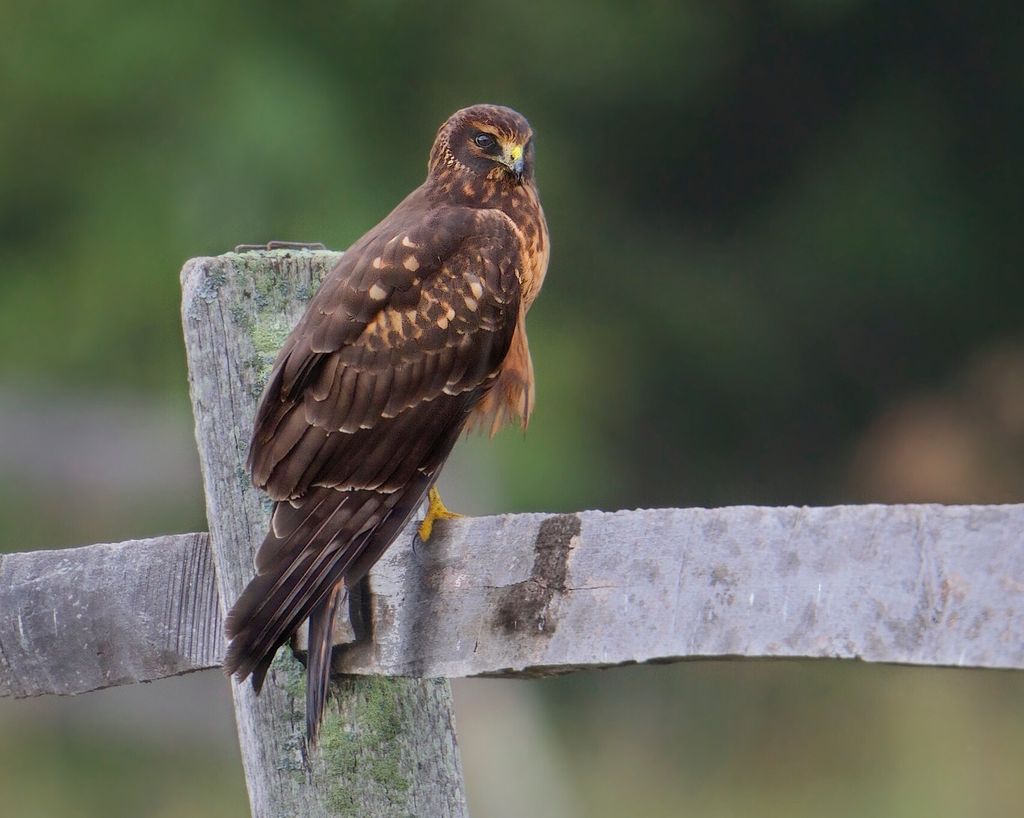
(786, 268)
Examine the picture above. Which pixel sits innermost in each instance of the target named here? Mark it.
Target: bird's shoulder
(416, 261)
(417, 240)
(424, 307)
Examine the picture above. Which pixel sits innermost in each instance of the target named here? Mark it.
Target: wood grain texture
(529, 595)
(86, 618)
(544, 594)
(388, 745)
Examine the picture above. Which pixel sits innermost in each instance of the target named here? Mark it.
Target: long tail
(318, 665)
(313, 551)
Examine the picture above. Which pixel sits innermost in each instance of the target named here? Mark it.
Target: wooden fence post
(388, 747)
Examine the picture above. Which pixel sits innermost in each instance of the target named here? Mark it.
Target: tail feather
(313, 551)
(259, 673)
(273, 606)
(318, 663)
(306, 576)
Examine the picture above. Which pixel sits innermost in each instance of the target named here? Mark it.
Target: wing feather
(364, 404)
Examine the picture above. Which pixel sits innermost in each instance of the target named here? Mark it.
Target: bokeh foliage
(772, 223)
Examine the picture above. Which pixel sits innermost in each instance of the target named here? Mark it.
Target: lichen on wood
(387, 743)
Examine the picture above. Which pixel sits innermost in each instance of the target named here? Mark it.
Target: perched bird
(415, 335)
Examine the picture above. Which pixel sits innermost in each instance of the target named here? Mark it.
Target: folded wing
(363, 406)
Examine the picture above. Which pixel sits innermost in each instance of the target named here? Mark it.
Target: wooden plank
(541, 594)
(82, 619)
(528, 595)
(388, 746)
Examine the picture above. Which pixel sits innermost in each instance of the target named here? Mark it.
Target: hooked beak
(513, 160)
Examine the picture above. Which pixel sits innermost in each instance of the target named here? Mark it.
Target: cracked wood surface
(82, 619)
(540, 594)
(535, 594)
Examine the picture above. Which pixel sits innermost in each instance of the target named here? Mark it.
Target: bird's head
(485, 145)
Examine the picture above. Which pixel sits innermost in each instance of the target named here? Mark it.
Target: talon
(435, 511)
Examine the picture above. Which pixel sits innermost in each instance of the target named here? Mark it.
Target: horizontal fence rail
(538, 594)
(82, 619)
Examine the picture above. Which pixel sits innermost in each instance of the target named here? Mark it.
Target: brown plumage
(417, 332)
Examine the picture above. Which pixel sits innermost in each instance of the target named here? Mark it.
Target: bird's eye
(484, 141)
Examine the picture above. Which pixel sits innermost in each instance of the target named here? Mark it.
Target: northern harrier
(418, 333)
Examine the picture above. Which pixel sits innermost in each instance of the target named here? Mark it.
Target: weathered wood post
(388, 745)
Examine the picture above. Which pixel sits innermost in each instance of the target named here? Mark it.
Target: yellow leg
(435, 511)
